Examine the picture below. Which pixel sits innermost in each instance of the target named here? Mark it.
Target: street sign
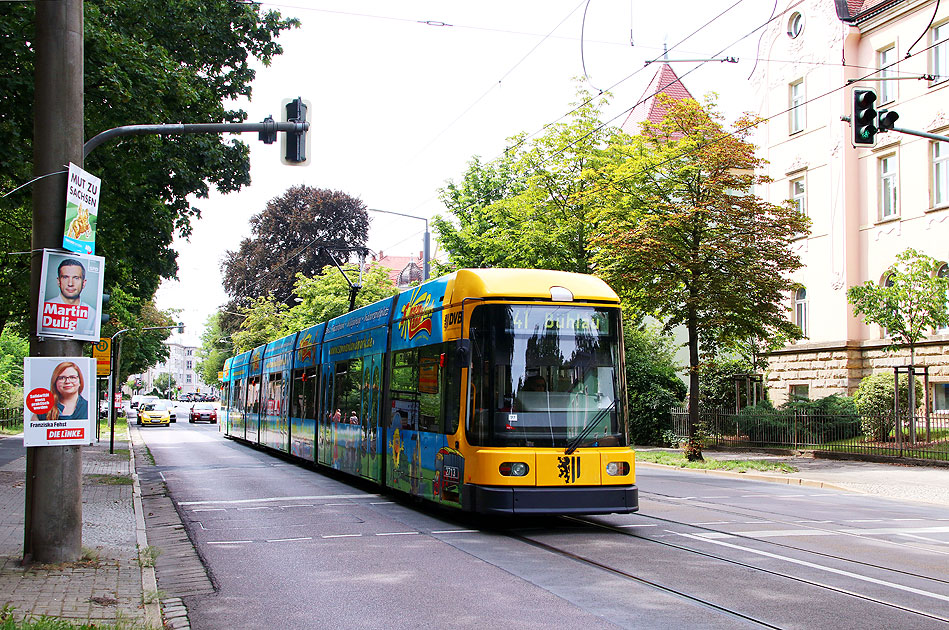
(102, 353)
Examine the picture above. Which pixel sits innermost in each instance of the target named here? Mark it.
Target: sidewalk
(106, 586)
(927, 484)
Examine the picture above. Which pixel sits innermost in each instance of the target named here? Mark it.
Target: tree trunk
(693, 449)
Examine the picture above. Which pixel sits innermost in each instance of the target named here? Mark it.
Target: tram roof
(527, 283)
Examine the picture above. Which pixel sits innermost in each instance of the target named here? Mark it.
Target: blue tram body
(434, 393)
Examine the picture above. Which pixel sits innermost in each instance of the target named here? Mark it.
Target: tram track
(707, 554)
(781, 519)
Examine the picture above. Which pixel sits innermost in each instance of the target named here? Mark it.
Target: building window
(796, 106)
(800, 310)
(941, 397)
(799, 392)
(940, 52)
(795, 25)
(887, 88)
(188, 379)
(798, 198)
(887, 167)
(188, 365)
(190, 350)
(940, 174)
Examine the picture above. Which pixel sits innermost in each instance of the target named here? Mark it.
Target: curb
(790, 481)
(149, 581)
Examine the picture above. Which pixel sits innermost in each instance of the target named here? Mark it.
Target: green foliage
(165, 383)
(652, 385)
(264, 320)
(874, 400)
(717, 383)
(326, 295)
(911, 302)
(141, 349)
(819, 421)
(216, 348)
(13, 348)
(145, 62)
(531, 208)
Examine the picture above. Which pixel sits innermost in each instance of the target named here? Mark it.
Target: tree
(216, 348)
(13, 348)
(264, 320)
(141, 349)
(302, 231)
(652, 385)
(326, 295)
(165, 383)
(686, 240)
(145, 62)
(533, 207)
(910, 303)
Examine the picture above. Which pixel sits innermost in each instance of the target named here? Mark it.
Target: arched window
(800, 310)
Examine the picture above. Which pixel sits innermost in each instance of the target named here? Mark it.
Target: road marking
(289, 539)
(813, 521)
(455, 531)
(865, 520)
(396, 533)
(161, 474)
(775, 533)
(229, 542)
(262, 507)
(638, 525)
(821, 567)
(932, 540)
(713, 497)
(273, 499)
(756, 522)
(297, 505)
(337, 504)
(381, 502)
(209, 510)
(341, 536)
(714, 523)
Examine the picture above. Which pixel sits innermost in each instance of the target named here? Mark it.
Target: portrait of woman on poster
(67, 385)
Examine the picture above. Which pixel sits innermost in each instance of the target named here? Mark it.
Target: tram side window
(347, 387)
(303, 397)
(253, 395)
(274, 393)
(420, 377)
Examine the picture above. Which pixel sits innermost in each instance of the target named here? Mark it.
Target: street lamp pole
(425, 246)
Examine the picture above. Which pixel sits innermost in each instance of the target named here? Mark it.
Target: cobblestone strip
(149, 582)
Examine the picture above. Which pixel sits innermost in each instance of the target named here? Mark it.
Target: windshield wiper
(586, 430)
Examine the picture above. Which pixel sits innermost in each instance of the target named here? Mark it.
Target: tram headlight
(514, 469)
(617, 469)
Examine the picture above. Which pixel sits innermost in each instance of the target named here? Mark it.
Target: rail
(922, 437)
(10, 416)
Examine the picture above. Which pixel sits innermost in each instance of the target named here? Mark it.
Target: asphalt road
(290, 547)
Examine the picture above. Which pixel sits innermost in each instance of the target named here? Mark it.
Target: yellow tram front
(545, 427)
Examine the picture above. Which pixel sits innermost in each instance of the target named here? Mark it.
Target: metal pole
(52, 528)
(425, 243)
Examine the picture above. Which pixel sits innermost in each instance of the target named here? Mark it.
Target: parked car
(203, 411)
(131, 413)
(153, 414)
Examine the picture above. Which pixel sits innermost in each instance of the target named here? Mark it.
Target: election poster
(56, 401)
(82, 210)
(70, 296)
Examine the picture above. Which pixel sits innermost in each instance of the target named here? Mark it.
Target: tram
(497, 391)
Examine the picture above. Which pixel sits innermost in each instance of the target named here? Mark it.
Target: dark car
(203, 411)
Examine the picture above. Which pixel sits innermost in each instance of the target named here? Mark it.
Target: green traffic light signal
(864, 119)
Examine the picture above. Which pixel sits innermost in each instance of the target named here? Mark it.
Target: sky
(404, 94)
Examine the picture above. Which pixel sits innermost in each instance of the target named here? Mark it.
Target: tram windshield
(542, 374)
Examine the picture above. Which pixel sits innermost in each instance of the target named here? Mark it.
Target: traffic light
(864, 121)
(295, 142)
(181, 328)
(886, 119)
(104, 313)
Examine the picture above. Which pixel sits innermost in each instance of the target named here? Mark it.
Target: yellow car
(153, 413)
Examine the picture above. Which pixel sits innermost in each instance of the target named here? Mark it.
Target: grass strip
(745, 465)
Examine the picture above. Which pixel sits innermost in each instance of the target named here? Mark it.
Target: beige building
(866, 204)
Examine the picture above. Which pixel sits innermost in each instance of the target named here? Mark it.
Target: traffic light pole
(921, 134)
(267, 130)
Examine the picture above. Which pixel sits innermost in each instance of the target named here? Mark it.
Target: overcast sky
(404, 93)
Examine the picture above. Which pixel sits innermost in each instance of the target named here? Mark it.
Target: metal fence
(10, 416)
(924, 437)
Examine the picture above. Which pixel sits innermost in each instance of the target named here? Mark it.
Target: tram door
(369, 420)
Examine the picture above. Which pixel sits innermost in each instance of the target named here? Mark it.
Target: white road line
(821, 567)
(273, 499)
(298, 505)
(341, 536)
(813, 521)
(776, 533)
(865, 520)
(907, 519)
(714, 523)
(639, 525)
(262, 507)
(932, 540)
(455, 531)
(289, 539)
(756, 522)
(381, 502)
(337, 504)
(713, 497)
(229, 542)
(209, 510)
(397, 533)
(161, 474)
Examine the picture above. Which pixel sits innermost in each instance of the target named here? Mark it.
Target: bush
(874, 400)
(828, 419)
(652, 386)
(717, 384)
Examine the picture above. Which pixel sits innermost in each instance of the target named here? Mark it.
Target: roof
(649, 108)
(855, 10)
(399, 264)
